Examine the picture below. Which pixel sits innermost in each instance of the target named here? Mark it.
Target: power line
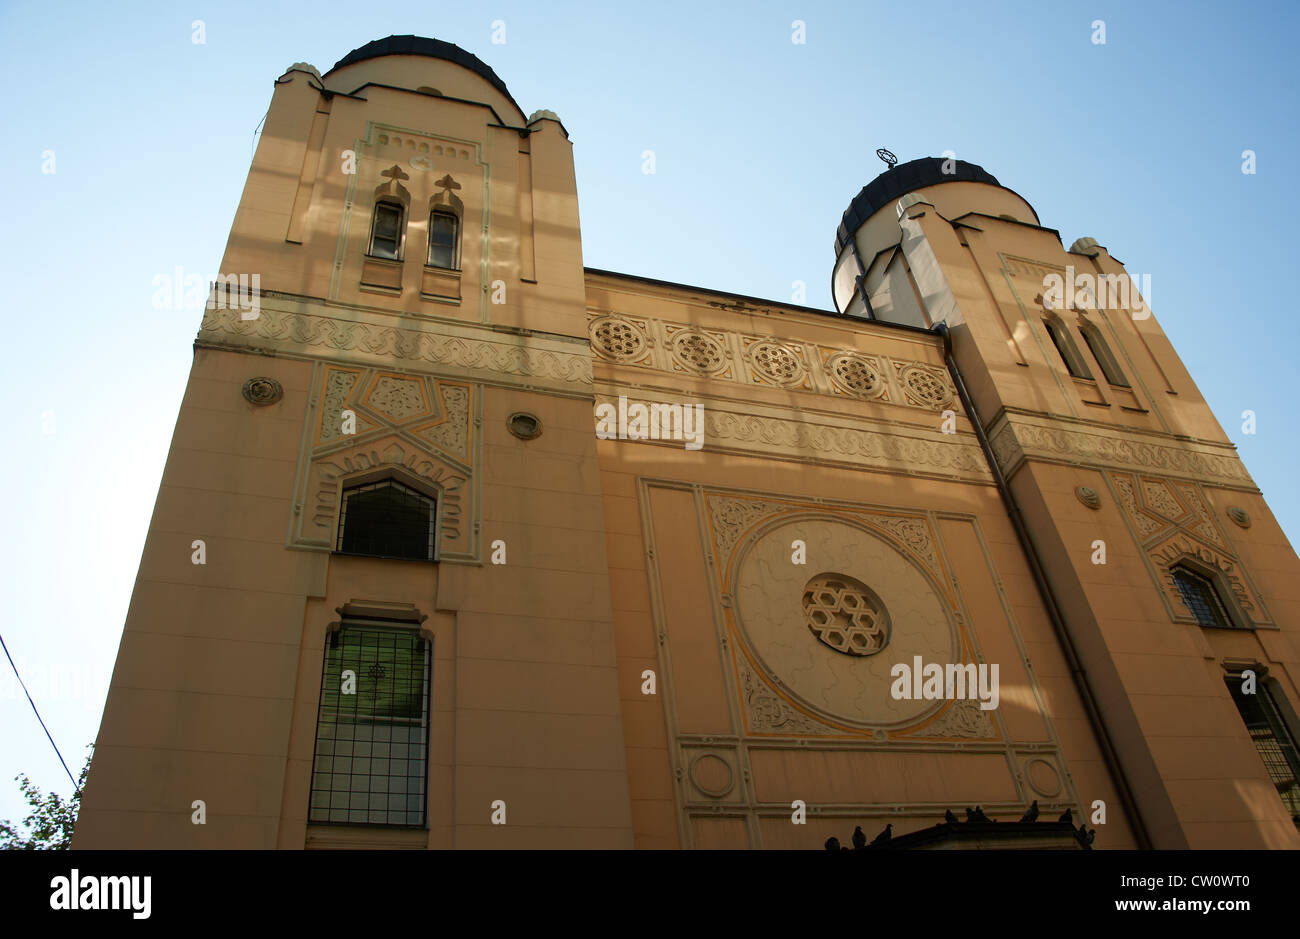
(75, 787)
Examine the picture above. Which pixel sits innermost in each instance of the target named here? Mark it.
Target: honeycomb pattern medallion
(925, 387)
(846, 614)
(854, 375)
(776, 363)
(617, 339)
(698, 352)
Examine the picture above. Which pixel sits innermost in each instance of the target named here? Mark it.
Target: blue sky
(760, 143)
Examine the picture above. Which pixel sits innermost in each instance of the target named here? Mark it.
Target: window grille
(371, 760)
(1273, 740)
(1202, 599)
(389, 520)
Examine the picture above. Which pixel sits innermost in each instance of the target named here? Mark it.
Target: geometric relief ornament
(776, 364)
(962, 718)
(698, 351)
(1175, 524)
(731, 518)
(846, 614)
(811, 641)
(1218, 564)
(857, 375)
(925, 386)
(420, 428)
(620, 339)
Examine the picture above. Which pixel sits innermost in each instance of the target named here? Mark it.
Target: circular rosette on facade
(829, 642)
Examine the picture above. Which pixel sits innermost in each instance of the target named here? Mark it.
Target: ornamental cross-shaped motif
(394, 173)
(447, 184)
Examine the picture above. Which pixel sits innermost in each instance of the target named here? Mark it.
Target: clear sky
(759, 145)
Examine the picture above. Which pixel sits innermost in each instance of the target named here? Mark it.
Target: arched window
(1101, 352)
(389, 520)
(1065, 346)
(444, 239)
(1201, 597)
(387, 227)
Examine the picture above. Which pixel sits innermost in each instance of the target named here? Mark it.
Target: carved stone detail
(731, 518)
(326, 336)
(775, 363)
(846, 444)
(914, 534)
(698, 352)
(262, 391)
(616, 338)
(395, 427)
(397, 398)
(1205, 527)
(1088, 496)
(1016, 438)
(1189, 534)
(855, 374)
(451, 434)
(1146, 525)
(846, 614)
(964, 718)
(925, 386)
(1158, 497)
(765, 711)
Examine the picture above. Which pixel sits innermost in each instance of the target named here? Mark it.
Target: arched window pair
(388, 221)
(1069, 352)
(388, 232)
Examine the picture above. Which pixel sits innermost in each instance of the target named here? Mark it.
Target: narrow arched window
(1065, 346)
(1101, 352)
(388, 520)
(386, 230)
(1201, 597)
(444, 240)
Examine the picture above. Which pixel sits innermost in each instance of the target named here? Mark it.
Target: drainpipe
(1077, 672)
(862, 279)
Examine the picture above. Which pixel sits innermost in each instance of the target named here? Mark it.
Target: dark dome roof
(899, 181)
(434, 49)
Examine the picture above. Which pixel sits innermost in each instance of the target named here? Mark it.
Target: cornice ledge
(1015, 438)
(467, 351)
(828, 440)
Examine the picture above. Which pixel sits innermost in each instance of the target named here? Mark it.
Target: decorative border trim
(460, 350)
(1016, 438)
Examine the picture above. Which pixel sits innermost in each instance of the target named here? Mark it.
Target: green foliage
(49, 825)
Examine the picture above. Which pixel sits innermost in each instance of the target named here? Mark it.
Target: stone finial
(304, 67)
(1086, 246)
(542, 115)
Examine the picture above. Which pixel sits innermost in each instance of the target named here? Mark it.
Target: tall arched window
(1065, 346)
(1101, 352)
(387, 227)
(1201, 597)
(444, 239)
(389, 520)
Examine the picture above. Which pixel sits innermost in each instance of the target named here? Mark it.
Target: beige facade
(642, 643)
